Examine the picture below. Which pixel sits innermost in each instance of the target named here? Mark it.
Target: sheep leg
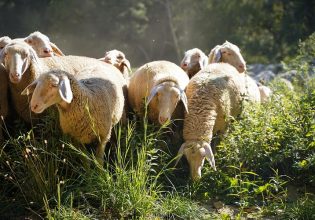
(100, 153)
(101, 148)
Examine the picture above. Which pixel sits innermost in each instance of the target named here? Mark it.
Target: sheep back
(97, 105)
(214, 95)
(71, 64)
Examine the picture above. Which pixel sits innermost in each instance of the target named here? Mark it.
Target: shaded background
(266, 30)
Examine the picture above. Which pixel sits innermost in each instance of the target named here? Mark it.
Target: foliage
(149, 30)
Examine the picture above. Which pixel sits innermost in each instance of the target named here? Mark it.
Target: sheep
(230, 53)
(89, 103)
(161, 84)
(4, 105)
(4, 41)
(118, 59)
(23, 67)
(193, 61)
(42, 45)
(38, 41)
(214, 96)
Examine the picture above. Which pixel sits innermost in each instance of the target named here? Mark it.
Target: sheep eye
(1, 48)
(223, 52)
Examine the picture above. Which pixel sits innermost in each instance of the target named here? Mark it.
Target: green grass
(268, 150)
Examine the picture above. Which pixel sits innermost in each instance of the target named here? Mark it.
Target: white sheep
(89, 103)
(228, 53)
(4, 41)
(4, 105)
(231, 54)
(38, 41)
(42, 45)
(161, 84)
(23, 67)
(214, 97)
(193, 61)
(118, 59)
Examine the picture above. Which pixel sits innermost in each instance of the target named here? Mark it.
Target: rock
(218, 204)
(265, 76)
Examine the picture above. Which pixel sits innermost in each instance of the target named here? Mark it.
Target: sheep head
(193, 61)
(16, 58)
(49, 89)
(42, 45)
(196, 152)
(228, 53)
(117, 59)
(166, 96)
(4, 41)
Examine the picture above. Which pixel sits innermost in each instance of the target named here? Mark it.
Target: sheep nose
(34, 107)
(15, 75)
(241, 66)
(184, 65)
(162, 119)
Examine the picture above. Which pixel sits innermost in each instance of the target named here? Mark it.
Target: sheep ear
(65, 90)
(180, 153)
(30, 88)
(203, 62)
(55, 49)
(209, 155)
(153, 92)
(26, 65)
(183, 97)
(126, 63)
(215, 54)
(34, 56)
(2, 55)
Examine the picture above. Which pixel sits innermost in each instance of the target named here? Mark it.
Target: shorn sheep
(118, 59)
(89, 103)
(38, 41)
(23, 67)
(193, 61)
(214, 96)
(231, 54)
(161, 84)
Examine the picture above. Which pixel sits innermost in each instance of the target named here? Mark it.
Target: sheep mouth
(15, 80)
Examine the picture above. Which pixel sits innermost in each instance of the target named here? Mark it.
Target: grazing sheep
(118, 59)
(214, 96)
(162, 85)
(89, 103)
(23, 67)
(230, 53)
(193, 61)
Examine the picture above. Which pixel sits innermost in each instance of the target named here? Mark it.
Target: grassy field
(266, 166)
